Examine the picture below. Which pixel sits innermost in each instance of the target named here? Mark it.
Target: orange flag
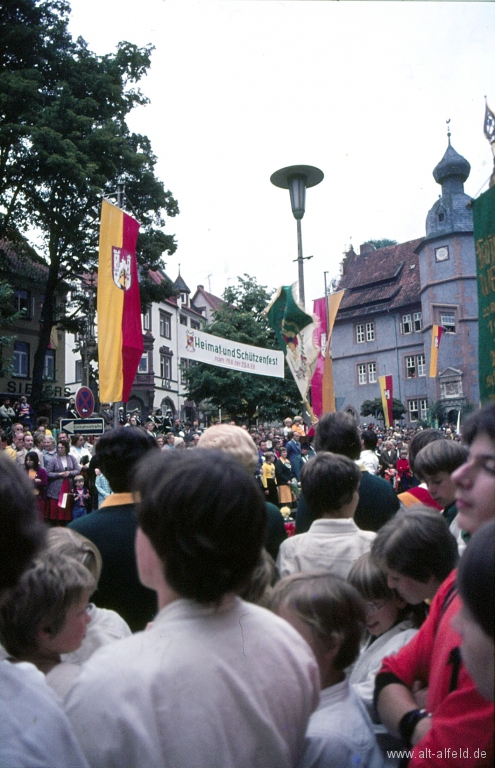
(436, 335)
(386, 389)
(328, 392)
(120, 337)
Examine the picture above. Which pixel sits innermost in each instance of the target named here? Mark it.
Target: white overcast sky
(362, 90)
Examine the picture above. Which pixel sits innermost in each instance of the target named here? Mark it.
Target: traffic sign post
(85, 402)
(83, 426)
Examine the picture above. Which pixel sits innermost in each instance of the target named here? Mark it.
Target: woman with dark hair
(39, 478)
(61, 469)
(283, 476)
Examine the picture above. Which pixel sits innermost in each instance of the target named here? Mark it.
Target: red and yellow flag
(120, 338)
(436, 335)
(386, 389)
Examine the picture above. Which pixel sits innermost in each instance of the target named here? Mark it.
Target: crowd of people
(181, 596)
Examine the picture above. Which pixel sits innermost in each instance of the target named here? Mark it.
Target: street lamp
(297, 178)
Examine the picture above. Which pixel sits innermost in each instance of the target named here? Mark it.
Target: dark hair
(34, 458)
(22, 534)
(66, 446)
(206, 518)
(369, 439)
(328, 482)
(119, 450)
(338, 433)
(369, 579)
(480, 423)
(416, 543)
(476, 577)
(371, 583)
(419, 440)
(329, 606)
(440, 456)
(75, 437)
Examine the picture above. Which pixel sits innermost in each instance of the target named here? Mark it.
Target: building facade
(394, 295)
(27, 276)
(160, 380)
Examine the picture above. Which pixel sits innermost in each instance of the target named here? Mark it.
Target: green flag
(294, 331)
(484, 238)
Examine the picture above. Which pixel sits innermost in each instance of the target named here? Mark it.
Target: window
(147, 319)
(183, 320)
(184, 365)
(362, 373)
(421, 360)
(423, 409)
(183, 298)
(49, 365)
(360, 333)
(165, 367)
(21, 359)
(372, 373)
(22, 302)
(195, 325)
(417, 321)
(79, 371)
(413, 410)
(370, 331)
(447, 320)
(165, 326)
(406, 324)
(410, 367)
(144, 364)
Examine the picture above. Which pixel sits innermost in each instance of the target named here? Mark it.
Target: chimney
(365, 248)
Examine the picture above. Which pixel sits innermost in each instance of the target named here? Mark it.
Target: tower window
(441, 216)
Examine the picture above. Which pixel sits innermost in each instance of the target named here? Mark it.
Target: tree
(375, 408)
(244, 396)
(383, 243)
(8, 316)
(64, 142)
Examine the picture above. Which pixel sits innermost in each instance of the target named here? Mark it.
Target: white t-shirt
(231, 687)
(330, 544)
(340, 733)
(34, 731)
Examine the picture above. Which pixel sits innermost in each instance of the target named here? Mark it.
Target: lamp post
(297, 178)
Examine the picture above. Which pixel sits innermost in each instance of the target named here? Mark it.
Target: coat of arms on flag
(121, 268)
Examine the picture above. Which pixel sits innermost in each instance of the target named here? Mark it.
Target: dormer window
(183, 298)
(441, 216)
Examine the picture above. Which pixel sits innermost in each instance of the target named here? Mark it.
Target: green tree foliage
(8, 316)
(64, 142)
(242, 395)
(375, 408)
(383, 243)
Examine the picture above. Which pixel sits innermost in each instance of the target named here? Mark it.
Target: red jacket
(462, 720)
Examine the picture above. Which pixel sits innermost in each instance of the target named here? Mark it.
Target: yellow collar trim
(117, 498)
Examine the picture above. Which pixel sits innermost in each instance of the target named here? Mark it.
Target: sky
(241, 88)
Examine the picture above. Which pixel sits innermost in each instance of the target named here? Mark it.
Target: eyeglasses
(373, 606)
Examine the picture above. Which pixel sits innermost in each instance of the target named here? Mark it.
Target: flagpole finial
(448, 130)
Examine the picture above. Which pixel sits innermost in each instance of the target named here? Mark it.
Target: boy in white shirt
(330, 485)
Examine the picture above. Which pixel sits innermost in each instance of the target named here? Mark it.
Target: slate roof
(380, 280)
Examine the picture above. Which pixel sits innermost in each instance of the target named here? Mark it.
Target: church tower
(448, 286)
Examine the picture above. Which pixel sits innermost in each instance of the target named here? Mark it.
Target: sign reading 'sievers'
(206, 348)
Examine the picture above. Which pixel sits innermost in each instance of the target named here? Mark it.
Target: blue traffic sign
(85, 402)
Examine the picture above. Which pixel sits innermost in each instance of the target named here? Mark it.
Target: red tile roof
(380, 280)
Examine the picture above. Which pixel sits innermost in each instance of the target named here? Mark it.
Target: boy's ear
(333, 647)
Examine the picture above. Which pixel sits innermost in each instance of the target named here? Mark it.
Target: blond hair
(232, 440)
